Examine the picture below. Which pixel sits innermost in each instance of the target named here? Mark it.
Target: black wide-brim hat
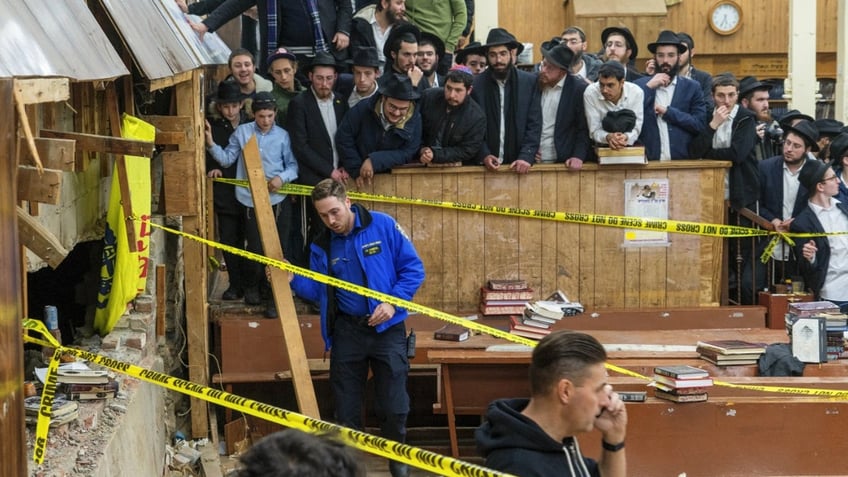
(228, 92)
(668, 37)
(839, 148)
(398, 86)
(366, 56)
(621, 121)
(750, 84)
(807, 130)
(828, 127)
(792, 115)
(473, 48)
(398, 30)
(559, 55)
(625, 32)
(812, 173)
(499, 36)
(322, 58)
(437, 42)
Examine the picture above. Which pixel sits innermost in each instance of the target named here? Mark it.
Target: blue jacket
(686, 117)
(361, 135)
(771, 190)
(814, 273)
(395, 269)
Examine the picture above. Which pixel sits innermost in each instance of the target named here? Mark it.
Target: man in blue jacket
(675, 110)
(367, 249)
(381, 131)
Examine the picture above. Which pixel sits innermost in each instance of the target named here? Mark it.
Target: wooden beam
(43, 90)
(54, 153)
(301, 378)
(171, 130)
(24, 119)
(107, 144)
(39, 187)
(178, 169)
(173, 80)
(39, 240)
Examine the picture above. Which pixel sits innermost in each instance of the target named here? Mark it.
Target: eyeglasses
(573, 41)
(826, 179)
(396, 109)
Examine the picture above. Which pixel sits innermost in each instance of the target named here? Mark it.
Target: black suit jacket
(571, 137)
(771, 190)
(310, 141)
(814, 273)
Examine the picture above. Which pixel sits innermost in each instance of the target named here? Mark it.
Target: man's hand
(782, 225)
(617, 140)
(340, 175)
(491, 162)
(520, 166)
(659, 80)
(200, 28)
(659, 109)
(341, 40)
(214, 174)
(366, 171)
(761, 130)
(426, 155)
(182, 5)
(574, 163)
(274, 184)
(720, 115)
(612, 421)
(207, 129)
(650, 66)
(809, 251)
(415, 74)
(384, 312)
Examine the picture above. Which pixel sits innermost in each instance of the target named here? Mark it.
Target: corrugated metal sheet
(55, 38)
(160, 38)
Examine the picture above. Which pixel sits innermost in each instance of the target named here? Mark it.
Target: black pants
(231, 232)
(287, 218)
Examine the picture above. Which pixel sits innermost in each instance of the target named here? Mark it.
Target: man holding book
(569, 396)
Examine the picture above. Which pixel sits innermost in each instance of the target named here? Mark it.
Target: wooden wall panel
(461, 249)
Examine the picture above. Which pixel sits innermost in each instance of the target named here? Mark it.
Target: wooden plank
(43, 90)
(106, 144)
(471, 189)
(653, 262)
(168, 81)
(500, 242)
(609, 254)
(40, 240)
(452, 227)
(54, 153)
(161, 299)
(427, 234)
(34, 187)
(178, 170)
(529, 232)
(301, 379)
(171, 130)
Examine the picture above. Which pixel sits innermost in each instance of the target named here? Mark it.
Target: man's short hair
(611, 69)
(240, 52)
(563, 355)
(404, 38)
(379, 6)
(725, 79)
(294, 453)
(263, 100)
(329, 188)
(574, 29)
(459, 76)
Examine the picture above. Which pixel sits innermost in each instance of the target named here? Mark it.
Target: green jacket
(283, 97)
(443, 18)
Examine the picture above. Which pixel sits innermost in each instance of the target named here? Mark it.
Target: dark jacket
(771, 190)
(311, 144)
(454, 136)
(512, 443)
(744, 177)
(593, 64)
(391, 266)
(224, 197)
(842, 196)
(814, 273)
(571, 137)
(706, 81)
(528, 113)
(361, 135)
(685, 116)
(632, 74)
(335, 17)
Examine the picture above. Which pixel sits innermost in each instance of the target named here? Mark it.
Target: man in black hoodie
(569, 395)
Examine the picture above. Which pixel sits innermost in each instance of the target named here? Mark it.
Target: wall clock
(725, 17)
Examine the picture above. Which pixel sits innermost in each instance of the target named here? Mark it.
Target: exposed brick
(136, 340)
(144, 304)
(111, 342)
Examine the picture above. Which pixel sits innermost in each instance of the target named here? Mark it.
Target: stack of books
(504, 297)
(520, 325)
(730, 352)
(83, 385)
(817, 329)
(62, 411)
(681, 383)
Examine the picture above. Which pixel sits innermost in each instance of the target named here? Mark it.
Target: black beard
(391, 17)
(428, 73)
(576, 59)
(672, 72)
(501, 76)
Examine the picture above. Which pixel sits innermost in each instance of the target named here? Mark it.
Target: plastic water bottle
(51, 320)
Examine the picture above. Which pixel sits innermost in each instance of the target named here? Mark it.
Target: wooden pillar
(188, 101)
(841, 92)
(13, 452)
(801, 84)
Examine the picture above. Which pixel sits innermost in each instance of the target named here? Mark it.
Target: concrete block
(111, 342)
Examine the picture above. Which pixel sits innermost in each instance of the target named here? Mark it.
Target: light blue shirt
(274, 149)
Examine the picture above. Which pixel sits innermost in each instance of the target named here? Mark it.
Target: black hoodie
(513, 443)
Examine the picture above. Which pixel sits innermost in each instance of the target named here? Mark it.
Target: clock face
(725, 18)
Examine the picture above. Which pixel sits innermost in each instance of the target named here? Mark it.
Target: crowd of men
(345, 95)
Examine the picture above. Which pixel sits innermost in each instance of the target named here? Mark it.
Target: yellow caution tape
(423, 459)
(45, 409)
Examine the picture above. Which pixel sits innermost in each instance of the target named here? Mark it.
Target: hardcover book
(732, 347)
(527, 334)
(508, 285)
(516, 323)
(683, 383)
(680, 397)
(546, 310)
(717, 356)
(625, 155)
(811, 308)
(809, 340)
(501, 309)
(82, 392)
(451, 332)
(82, 376)
(487, 294)
(730, 362)
(680, 391)
(681, 372)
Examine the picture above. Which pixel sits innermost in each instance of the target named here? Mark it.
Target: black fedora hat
(791, 115)
(668, 37)
(839, 148)
(397, 31)
(437, 42)
(499, 36)
(828, 127)
(812, 173)
(559, 55)
(398, 87)
(807, 130)
(473, 48)
(547, 45)
(365, 56)
(322, 58)
(623, 121)
(628, 36)
(749, 84)
(228, 92)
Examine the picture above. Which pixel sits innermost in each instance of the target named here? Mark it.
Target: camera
(774, 132)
